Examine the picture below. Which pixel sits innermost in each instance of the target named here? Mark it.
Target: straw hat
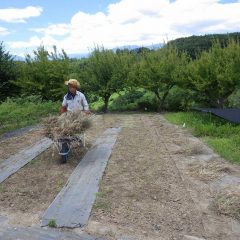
(73, 82)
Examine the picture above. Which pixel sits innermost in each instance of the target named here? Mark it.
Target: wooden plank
(18, 132)
(14, 163)
(37, 233)
(72, 206)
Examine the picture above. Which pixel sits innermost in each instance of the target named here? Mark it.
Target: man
(74, 100)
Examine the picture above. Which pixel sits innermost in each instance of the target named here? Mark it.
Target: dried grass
(197, 149)
(208, 171)
(68, 124)
(191, 149)
(227, 202)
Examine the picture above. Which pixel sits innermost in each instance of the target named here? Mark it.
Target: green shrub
(125, 98)
(126, 101)
(147, 105)
(179, 99)
(234, 100)
(26, 99)
(20, 112)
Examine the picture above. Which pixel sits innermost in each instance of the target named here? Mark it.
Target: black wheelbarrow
(64, 145)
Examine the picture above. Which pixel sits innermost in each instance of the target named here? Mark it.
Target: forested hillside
(194, 45)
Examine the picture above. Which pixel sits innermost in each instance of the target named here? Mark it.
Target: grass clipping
(209, 171)
(227, 202)
(68, 124)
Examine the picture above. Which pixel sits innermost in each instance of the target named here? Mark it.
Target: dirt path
(147, 194)
(161, 183)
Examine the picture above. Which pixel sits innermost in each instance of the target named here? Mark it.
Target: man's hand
(87, 112)
(63, 109)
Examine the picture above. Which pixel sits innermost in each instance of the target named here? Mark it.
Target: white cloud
(55, 29)
(19, 15)
(142, 22)
(4, 31)
(34, 42)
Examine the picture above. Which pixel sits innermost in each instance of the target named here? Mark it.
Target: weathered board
(72, 206)
(18, 132)
(37, 233)
(14, 163)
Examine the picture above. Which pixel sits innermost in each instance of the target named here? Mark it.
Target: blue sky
(78, 25)
(54, 11)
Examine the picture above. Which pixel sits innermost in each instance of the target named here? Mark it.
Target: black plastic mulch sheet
(230, 114)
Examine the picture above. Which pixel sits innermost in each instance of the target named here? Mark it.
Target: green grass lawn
(222, 136)
(22, 112)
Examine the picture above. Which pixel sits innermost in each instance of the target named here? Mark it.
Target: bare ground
(150, 190)
(27, 194)
(160, 183)
(13, 145)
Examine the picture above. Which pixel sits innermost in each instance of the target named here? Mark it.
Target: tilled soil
(160, 183)
(147, 194)
(142, 191)
(11, 146)
(28, 193)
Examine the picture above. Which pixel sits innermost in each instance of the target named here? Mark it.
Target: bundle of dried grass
(68, 124)
(227, 202)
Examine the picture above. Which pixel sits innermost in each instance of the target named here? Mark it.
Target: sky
(78, 25)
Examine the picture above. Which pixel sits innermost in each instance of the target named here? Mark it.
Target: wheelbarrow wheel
(64, 158)
(64, 152)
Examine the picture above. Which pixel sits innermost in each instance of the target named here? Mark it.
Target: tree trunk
(221, 102)
(106, 100)
(160, 108)
(162, 100)
(159, 98)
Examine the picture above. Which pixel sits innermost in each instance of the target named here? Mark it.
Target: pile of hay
(227, 202)
(208, 171)
(68, 124)
(188, 148)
